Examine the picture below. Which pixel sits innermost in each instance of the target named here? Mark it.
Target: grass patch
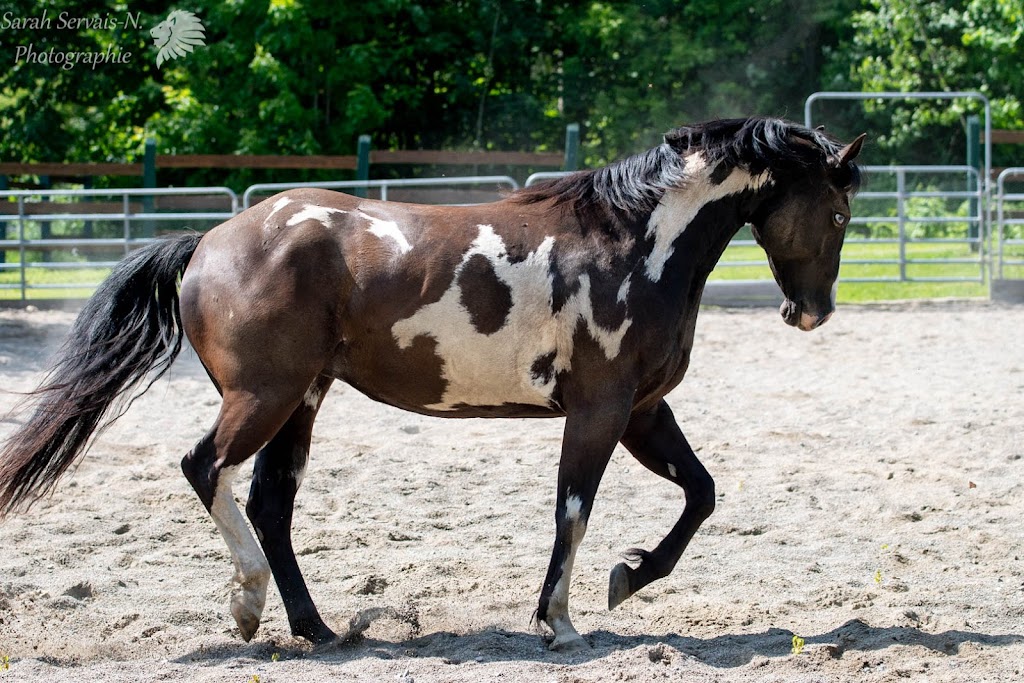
(63, 283)
(51, 283)
(856, 292)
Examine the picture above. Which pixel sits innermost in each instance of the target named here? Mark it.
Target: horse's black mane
(630, 189)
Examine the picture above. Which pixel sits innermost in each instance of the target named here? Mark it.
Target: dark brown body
(578, 299)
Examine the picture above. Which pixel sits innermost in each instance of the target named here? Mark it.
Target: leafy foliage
(310, 76)
(919, 45)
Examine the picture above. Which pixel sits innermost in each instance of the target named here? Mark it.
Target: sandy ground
(870, 501)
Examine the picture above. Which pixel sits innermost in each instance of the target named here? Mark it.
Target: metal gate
(1008, 250)
(69, 239)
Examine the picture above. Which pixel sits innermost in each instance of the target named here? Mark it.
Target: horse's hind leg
(655, 440)
(278, 473)
(244, 424)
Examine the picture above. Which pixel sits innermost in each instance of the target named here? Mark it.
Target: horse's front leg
(655, 440)
(591, 433)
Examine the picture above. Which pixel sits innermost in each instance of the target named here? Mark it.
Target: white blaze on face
(387, 229)
(679, 207)
(322, 214)
(492, 369)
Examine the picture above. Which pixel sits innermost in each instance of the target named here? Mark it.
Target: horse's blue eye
(839, 218)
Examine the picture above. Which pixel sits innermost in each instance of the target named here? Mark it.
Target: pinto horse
(575, 299)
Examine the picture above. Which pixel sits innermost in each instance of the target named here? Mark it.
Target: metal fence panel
(69, 230)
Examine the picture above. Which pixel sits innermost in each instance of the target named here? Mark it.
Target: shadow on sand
(497, 645)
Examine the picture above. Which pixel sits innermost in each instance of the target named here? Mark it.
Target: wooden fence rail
(360, 163)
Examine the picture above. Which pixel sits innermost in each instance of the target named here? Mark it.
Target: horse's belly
(482, 378)
(447, 367)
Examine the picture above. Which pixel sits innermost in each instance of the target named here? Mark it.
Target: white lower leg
(566, 636)
(252, 573)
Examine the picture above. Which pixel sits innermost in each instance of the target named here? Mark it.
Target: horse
(574, 299)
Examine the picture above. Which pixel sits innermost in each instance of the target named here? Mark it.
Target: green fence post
(149, 180)
(572, 147)
(3, 224)
(362, 163)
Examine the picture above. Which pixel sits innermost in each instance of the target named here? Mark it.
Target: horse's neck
(692, 225)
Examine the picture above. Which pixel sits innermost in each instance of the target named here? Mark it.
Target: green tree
(920, 45)
(309, 76)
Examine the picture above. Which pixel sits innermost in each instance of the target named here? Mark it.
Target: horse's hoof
(569, 643)
(618, 585)
(318, 636)
(248, 621)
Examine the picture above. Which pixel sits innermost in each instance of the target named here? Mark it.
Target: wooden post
(362, 163)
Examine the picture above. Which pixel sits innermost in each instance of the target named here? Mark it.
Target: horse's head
(801, 228)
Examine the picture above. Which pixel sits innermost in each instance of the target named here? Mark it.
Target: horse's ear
(850, 152)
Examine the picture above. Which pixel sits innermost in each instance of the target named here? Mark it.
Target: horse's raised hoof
(569, 643)
(248, 620)
(618, 585)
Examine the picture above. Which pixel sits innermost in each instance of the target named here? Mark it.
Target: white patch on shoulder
(317, 213)
(679, 207)
(278, 205)
(389, 229)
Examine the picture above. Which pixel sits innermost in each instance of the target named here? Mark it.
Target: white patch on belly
(492, 369)
(317, 213)
(672, 470)
(495, 368)
(678, 208)
(389, 229)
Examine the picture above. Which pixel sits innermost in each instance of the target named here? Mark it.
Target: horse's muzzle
(796, 316)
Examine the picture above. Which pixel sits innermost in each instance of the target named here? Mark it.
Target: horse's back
(442, 310)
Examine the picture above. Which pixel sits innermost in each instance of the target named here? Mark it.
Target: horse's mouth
(795, 316)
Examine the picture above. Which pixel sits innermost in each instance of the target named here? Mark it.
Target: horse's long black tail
(129, 330)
